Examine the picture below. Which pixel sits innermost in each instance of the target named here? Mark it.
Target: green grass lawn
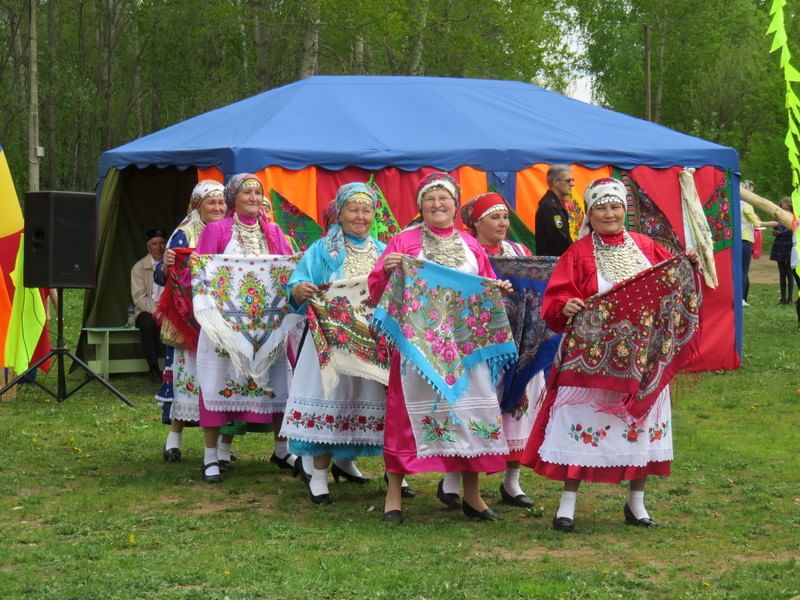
(89, 510)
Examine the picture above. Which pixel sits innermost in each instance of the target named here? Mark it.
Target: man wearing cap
(552, 217)
(145, 293)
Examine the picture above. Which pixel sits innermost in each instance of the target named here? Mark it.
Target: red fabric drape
(717, 338)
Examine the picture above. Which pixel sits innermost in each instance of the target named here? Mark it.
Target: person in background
(781, 253)
(145, 293)
(552, 217)
(750, 221)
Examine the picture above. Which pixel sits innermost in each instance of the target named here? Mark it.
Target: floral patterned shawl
(633, 338)
(241, 304)
(445, 322)
(174, 311)
(338, 318)
(536, 342)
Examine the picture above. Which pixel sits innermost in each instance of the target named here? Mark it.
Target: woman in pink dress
(434, 239)
(245, 231)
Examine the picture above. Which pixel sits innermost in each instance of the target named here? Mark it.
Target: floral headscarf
(192, 224)
(334, 240)
(206, 188)
(437, 179)
(238, 182)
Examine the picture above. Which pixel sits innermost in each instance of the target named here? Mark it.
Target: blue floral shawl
(445, 322)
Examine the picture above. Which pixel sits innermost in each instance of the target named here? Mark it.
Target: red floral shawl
(175, 304)
(634, 337)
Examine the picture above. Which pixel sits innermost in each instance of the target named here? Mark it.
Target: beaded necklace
(618, 261)
(446, 250)
(359, 260)
(250, 238)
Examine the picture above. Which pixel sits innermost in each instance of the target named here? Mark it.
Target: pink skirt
(400, 447)
(213, 418)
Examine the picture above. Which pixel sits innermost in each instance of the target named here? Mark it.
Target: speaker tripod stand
(60, 352)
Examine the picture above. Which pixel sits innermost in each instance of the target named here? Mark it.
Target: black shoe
(631, 519)
(451, 500)
(483, 515)
(393, 516)
(155, 375)
(282, 463)
(172, 455)
(563, 524)
(521, 501)
(299, 471)
(406, 491)
(338, 472)
(319, 499)
(225, 466)
(211, 478)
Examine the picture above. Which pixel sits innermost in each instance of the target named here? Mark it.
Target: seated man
(145, 293)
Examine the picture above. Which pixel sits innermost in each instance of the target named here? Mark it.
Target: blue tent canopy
(413, 122)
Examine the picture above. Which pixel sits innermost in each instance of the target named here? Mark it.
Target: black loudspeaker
(60, 239)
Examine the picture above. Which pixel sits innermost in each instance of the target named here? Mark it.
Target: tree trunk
(33, 107)
(262, 42)
(51, 154)
(415, 66)
(310, 59)
(662, 43)
(136, 84)
(358, 55)
(80, 112)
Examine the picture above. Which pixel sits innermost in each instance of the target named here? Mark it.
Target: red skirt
(557, 472)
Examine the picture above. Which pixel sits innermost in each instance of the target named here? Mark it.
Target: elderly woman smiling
(245, 231)
(437, 240)
(347, 251)
(589, 433)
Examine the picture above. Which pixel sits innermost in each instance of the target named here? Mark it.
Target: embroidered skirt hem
(400, 446)
(601, 474)
(352, 412)
(337, 451)
(212, 418)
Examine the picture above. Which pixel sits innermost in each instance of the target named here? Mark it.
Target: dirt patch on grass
(242, 502)
(764, 270)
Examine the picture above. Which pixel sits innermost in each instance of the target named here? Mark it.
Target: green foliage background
(113, 70)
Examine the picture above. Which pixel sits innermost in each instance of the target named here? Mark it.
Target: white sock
(281, 448)
(566, 507)
(452, 482)
(173, 440)
(224, 451)
(636, 504)
(349, 467)
(511, 482)
(404, 484)
(210, 456)
(308, 464)
(319, 482)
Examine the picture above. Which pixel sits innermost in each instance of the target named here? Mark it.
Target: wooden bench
(102, 338)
